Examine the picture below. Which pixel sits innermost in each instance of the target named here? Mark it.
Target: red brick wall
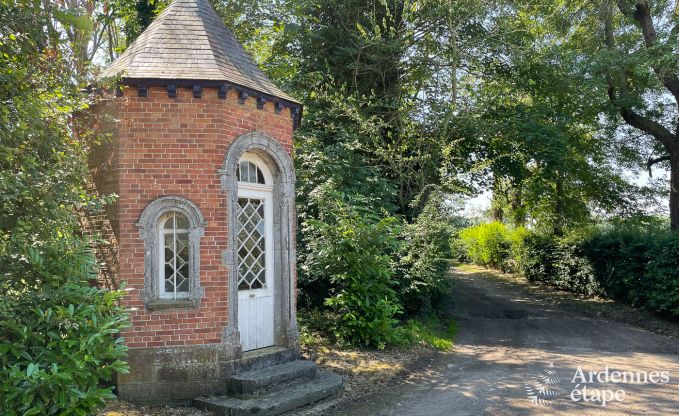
(103, 157)
(175, 146)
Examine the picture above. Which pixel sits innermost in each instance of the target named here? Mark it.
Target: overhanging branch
(652, 161)
(642, 15)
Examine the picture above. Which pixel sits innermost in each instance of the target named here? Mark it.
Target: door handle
(252, 295)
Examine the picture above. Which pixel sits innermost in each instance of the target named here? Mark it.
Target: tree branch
(649, 126)
(634, 119)
(652, 161)
(642, 15)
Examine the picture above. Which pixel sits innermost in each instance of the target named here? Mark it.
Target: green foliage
(493, 244)
(59, 334)
(517, 254)
(630, 261)
(328, 163)
(425, 258)
(638, 267)
(352, 247)
(559, 262)
(486, 244)
(136, 15)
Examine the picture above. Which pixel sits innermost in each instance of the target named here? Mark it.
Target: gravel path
(518, 353)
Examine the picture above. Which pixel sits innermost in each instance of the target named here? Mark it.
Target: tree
(645, 64)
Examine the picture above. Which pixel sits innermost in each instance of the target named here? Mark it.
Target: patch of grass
(435, 333)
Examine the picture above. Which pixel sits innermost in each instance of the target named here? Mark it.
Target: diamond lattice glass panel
(169, 282)
(175, 254)
(251, 243)
(182, 262)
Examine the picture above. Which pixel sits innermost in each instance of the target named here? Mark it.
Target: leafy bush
(538, 257)
(619, 259)
(494, 245)
(58, 334)
(425, 259)
(329, 165)
(558, 262)
(661, 277)
(632, 265)
(353, 248)
(517, 247)
(638, 267)
(487, 244)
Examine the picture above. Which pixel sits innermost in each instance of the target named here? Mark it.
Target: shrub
(517, 246)
(354, 248)
(494, 245)
(538, 257)
(487, 244)
(425, 259)
(637, 263)
(57, 334)
(638, 267)
(619, 258)
(559, 262)
(661, 277)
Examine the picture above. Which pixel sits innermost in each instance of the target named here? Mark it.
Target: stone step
(253, 384)
(266, 357)
(275, 402)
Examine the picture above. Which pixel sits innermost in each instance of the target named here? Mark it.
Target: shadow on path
(517, 354)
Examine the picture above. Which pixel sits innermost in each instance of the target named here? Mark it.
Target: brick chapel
(200, 158)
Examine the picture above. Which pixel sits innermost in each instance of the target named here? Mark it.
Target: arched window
(248, 172)
(174, 244)
(171, 227)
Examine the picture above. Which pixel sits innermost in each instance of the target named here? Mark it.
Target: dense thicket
(57, 332)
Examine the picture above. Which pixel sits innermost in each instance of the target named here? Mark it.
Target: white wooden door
(255, 267)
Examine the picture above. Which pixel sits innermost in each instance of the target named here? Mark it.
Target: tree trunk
(559, 209)
(518, 210)
(674, 189)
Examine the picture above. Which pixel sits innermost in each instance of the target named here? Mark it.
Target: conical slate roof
(189, 41)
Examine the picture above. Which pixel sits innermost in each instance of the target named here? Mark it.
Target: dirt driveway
(517, 354)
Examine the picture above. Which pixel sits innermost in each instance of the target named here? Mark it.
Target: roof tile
(188, 40)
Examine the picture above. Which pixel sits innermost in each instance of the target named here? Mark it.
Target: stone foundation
(176, 375)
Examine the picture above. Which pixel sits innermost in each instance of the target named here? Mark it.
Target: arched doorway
(256, 287)
(244, 190)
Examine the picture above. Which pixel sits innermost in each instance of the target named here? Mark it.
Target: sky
(474, 207)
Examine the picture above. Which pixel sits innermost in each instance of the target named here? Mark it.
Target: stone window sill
(162, 304)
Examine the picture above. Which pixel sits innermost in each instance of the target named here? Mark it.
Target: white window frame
(150, 221)
(162, 232)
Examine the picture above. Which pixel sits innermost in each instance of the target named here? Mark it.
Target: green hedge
(640, 268)
(631, 265)
(493, 245)
(558, 262)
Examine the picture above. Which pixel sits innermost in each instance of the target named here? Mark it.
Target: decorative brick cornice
(143, 84)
